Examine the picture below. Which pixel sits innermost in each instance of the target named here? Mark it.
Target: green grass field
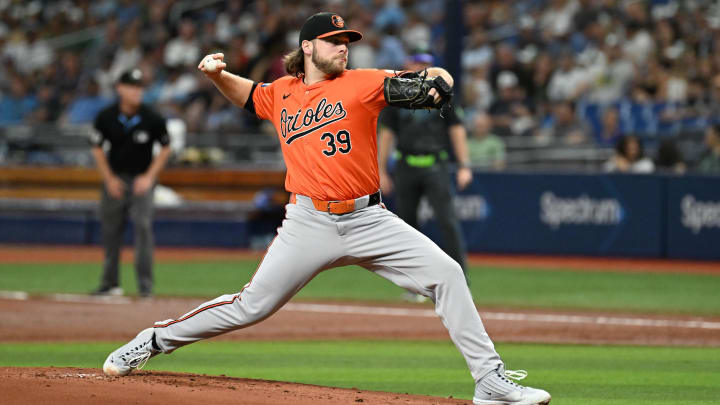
(574, 374)
(491, 287)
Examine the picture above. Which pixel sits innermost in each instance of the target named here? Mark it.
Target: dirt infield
(71, 318)
(60, 386)
(85, 319)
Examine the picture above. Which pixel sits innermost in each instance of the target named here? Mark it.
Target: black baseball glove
(412, 91)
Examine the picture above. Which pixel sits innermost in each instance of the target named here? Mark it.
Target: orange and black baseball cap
(322, 25)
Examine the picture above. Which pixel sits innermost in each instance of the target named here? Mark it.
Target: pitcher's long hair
(295, 63)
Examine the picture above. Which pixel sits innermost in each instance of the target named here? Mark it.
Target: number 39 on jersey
(339, 142)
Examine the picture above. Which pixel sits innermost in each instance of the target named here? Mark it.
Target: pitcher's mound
(66, 386)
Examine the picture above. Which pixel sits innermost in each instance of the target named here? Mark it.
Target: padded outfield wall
(608, 215)
(599, 215)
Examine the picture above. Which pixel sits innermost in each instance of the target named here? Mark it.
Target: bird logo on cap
(338, 21)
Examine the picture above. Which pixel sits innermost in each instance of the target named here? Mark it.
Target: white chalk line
(24, 296)
(89, 298)
(506, 316)
(14, 295)
(424, 313)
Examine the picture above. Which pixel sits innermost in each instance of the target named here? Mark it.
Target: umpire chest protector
(130, 139)
(419, 131)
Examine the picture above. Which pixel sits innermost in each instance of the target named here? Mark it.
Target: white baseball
(210, 64)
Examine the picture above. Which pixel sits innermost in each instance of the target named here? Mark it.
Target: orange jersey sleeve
(263, 98)
(368, 84)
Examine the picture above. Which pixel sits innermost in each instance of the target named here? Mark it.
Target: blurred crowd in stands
(609, 73)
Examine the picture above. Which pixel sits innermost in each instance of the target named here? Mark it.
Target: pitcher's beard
(331, 67)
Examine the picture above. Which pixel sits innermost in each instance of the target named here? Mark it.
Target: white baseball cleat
(496, 389)
(132, 355)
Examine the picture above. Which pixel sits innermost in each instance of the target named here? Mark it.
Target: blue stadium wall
(598, 215)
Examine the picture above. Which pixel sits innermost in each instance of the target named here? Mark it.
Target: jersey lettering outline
(289, 123)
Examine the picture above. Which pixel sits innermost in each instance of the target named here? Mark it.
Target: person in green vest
(422, 142)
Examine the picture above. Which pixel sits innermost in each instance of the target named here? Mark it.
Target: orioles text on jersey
(323, 114)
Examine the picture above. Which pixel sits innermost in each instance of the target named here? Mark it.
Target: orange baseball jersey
(327, 130)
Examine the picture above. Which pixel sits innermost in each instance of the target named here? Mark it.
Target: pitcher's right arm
(235, 88)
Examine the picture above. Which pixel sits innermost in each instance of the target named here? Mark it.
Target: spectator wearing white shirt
(364, 52)
(557, 20)
(639, 44)
(568, 81)
(479, 51)
(615, 78)
(128, 55)
(38, 54)
(184, 49)
(415, 33)
(178, 86)
(477, 90)
(28, 52)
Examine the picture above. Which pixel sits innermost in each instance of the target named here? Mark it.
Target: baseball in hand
(210, 64)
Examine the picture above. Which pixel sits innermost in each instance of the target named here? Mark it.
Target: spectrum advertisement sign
(559, 214)
(693, 217)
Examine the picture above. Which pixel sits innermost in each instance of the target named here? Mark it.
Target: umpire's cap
(133, 77)
(322, 25)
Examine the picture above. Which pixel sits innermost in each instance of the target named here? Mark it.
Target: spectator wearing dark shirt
(506, 61)
(669, 158)
(563, 125)
(629, 157)
(511, 113)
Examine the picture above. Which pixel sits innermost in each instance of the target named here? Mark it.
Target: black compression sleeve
(250, 104)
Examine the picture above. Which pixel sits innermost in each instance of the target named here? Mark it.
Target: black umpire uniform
(422, 169)
(128, 145)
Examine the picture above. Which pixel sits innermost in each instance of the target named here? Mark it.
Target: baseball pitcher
(326, 121)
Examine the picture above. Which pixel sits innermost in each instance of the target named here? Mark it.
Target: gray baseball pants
(311, 241)
(114, 213)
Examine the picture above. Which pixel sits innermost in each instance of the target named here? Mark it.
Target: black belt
(374, 199)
